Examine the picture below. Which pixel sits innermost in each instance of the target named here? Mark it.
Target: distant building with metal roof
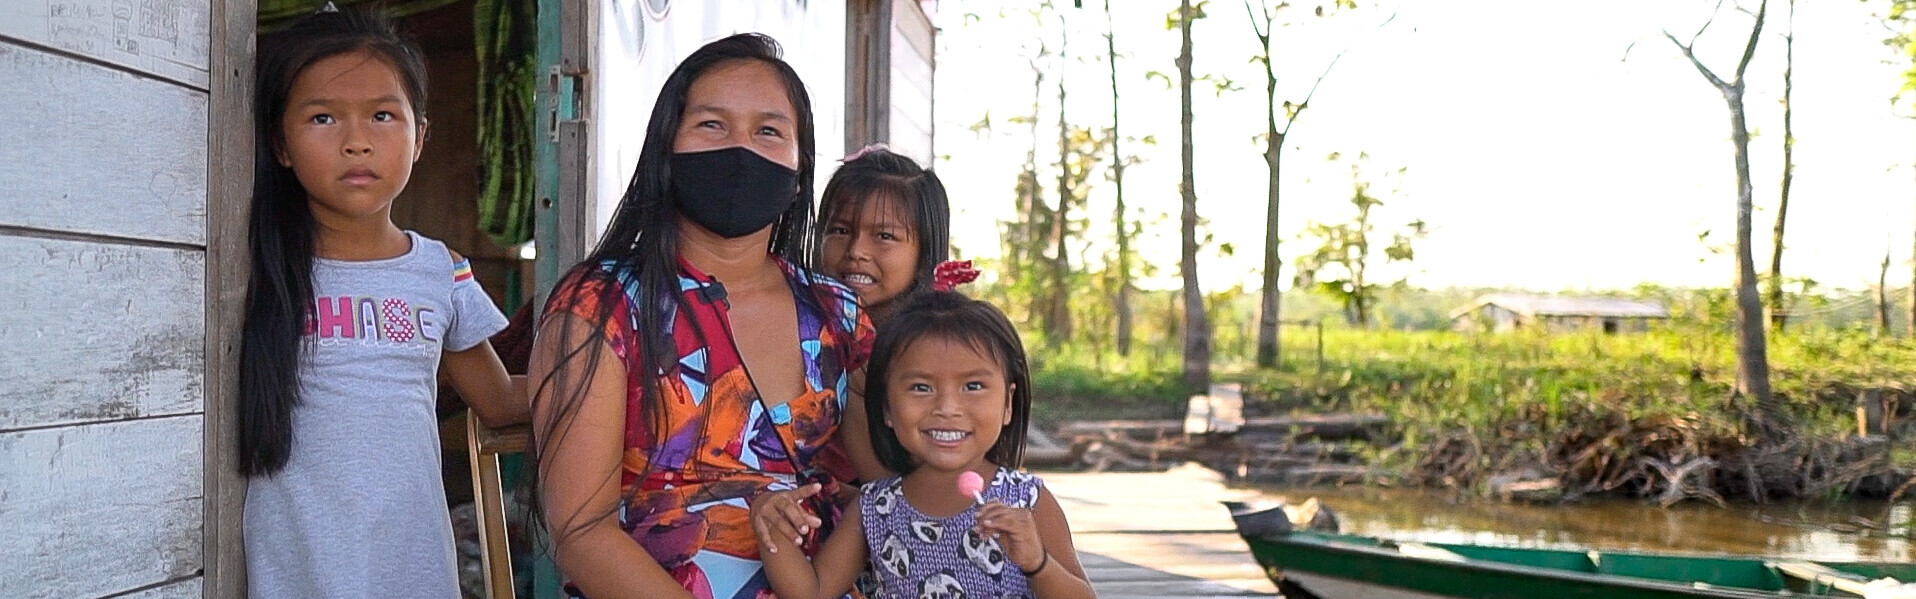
(1500, 312)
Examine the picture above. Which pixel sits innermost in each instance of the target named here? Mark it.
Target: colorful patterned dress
(918, 556)
(721, 444)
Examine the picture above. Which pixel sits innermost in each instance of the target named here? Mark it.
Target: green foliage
(1436, 382)
(1173, 19)
(1901, 22)
(1337, 267)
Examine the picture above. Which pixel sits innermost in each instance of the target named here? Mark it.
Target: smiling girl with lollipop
(949, 396)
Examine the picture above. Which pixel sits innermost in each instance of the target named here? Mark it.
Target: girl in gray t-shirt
(348, 321)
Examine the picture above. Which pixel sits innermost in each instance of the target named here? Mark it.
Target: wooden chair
(483, 447)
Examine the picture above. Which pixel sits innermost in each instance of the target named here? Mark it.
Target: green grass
(1436, 384)
(1074, 383)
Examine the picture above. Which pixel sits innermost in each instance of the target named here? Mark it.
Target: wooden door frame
(565, 212)
(229, 164)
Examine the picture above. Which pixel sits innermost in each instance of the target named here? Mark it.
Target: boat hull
(1314, 565)
(1331, 587)
(1327, 570)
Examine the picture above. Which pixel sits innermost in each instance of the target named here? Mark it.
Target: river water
(1812, 530)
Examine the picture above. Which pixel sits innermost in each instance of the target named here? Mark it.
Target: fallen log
(1322, 426)
(1321, 474)
(1145, 428)
(1153, 453)
(1098, 457)
(1314, 451)
(1043, 451)
(1548, 490)
(1333, 474)
(1327, 427)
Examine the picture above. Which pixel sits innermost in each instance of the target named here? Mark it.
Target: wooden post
(1320, 346)
(230, 177)
(1869, 413)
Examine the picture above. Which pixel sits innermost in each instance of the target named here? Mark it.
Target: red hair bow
(952, 273)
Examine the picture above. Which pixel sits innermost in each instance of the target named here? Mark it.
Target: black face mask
(733, 191)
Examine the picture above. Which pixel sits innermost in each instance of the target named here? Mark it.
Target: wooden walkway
(1158, 534)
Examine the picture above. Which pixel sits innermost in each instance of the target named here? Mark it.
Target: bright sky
(1539, 156)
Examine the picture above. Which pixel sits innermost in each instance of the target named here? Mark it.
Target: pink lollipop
(973, 486)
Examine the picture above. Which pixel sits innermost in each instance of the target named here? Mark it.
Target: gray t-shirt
(360, 510)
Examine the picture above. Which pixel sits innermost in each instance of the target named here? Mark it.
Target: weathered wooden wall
(103, 237)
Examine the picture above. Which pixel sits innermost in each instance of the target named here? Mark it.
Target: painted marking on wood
(165, 38)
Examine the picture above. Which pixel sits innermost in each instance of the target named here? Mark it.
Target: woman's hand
(780, 516)
(1015, 530)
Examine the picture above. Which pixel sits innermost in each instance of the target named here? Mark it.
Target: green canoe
(1317, 565)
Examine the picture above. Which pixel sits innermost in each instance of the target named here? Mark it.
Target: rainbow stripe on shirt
(462, 271)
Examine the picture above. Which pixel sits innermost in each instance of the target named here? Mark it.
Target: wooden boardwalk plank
(1158, 534)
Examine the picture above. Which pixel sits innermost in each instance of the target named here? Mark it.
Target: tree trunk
(1117, 179)
(1197, 327)
(1270, 322)
(1270, 309)
(1752, 355)
(1882, 297)
(1360, 286)
(1057, 322)
(1030, 204)
(1779, 313)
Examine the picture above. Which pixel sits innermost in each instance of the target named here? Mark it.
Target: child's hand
(780, 515)
(1015, 530)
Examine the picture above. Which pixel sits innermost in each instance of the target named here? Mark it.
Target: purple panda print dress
(920, 557)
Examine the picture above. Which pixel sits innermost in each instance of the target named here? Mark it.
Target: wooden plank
(1184, 498)
(99, 332)
(564, 218)
(106, 152)
(1221, 411)
(1166, 536)
(163, 38)
(1825, 576)
(230, 167)
(1120, 571)
(100, 509)
(1118, 578)
(1185, 588)
(183, 589)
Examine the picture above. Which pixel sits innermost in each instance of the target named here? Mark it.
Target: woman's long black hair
(953, 317)
(279, 296)
(642, 239)
(881, 173)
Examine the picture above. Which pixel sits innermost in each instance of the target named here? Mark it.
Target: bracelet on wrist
(1041, 566)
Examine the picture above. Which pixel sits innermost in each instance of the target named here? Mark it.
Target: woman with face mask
(694, 361)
